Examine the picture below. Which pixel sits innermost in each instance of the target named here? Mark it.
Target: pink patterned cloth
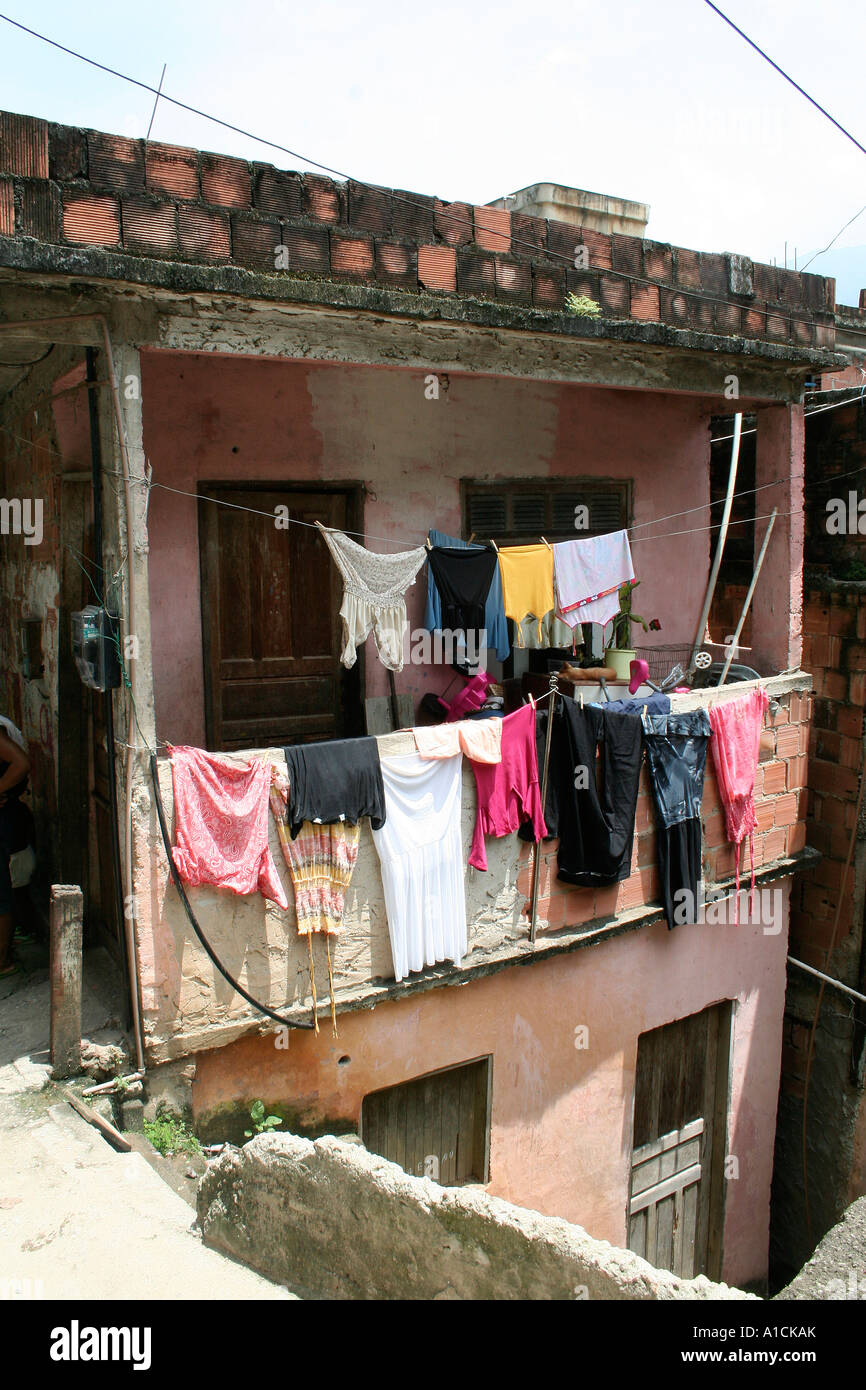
(736, 744)
(221, 823)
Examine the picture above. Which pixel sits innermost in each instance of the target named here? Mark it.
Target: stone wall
(333, 1221)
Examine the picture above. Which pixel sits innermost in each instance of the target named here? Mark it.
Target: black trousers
(679, 861)
(595, 824)
(676, 750)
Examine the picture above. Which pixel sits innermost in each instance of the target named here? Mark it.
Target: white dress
(421, 855)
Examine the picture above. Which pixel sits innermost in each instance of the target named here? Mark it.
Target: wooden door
(270, 619)
(436, 1126)
(676, 1194)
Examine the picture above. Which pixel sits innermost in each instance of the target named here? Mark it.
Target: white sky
(660, 102)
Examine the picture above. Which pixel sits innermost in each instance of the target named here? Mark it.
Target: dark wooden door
(436, 1126)
(271, 597)
(676, 1197)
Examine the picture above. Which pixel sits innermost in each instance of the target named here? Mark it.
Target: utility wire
(398, 197)
(835, 239)
(788, 78)
(641, 525)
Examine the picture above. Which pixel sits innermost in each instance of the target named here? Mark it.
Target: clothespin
(581, 699)
(495, 546)
(643, 717)
(427, 542)
(547, 543)
(471, 539)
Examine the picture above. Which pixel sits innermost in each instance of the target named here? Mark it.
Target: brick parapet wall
(74, 187)
(781, 807)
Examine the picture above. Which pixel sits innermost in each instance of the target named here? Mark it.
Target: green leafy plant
(582, 306)
(262, 1124)
(620, 638)
(171, 1136)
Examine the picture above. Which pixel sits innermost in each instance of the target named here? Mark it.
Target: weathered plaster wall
(211, 418)
(561, 1121)
(281, 1204)
(30, 469)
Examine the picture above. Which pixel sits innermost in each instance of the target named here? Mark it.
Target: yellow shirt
(527, 582)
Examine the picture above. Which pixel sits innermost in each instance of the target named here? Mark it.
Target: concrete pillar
(777, 607)
(67, 912)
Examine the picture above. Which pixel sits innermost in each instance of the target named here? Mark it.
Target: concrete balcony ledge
(548, 945)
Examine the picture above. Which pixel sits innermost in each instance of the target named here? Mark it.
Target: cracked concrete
(77, 1219)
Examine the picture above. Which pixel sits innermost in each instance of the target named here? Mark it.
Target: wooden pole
(94, 1118)
(720, 545)
(66, 917)
(533, 912)
(736, 637)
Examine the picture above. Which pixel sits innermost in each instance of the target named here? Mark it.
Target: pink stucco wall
(561, 1122)
(211, 418)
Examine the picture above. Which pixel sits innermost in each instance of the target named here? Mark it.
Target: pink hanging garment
(736, 743)
(221, 823)
(508, 791)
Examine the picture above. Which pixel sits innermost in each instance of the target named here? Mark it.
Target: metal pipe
(720, 544)
(107, 697)
(533, 911)
(828, 979)
(736, 637)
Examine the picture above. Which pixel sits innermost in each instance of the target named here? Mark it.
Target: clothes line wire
(389, 540)
(398, 197)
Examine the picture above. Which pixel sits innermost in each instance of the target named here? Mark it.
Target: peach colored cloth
(479, 739)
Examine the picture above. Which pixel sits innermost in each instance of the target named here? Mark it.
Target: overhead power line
(398, 197)
(787, 77)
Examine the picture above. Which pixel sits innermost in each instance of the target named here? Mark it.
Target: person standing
(14, 770)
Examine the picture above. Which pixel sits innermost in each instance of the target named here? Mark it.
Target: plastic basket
(662, 659)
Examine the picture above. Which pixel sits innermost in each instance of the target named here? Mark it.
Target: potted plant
(619, 652)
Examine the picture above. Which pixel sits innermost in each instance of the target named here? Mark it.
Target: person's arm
(19, 764)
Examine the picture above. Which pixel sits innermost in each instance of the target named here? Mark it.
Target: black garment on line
(463, 578)
(334, 781)
(676, 753)
(595, 828)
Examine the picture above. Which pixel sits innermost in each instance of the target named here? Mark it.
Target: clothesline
(390, 540)
(149, 483)
(221, 815)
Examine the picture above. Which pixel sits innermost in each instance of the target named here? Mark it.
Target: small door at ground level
(676, 1195)
(437, 1126)
(271, 598)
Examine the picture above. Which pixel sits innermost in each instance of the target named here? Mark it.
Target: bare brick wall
(85, 188)
(835, 653)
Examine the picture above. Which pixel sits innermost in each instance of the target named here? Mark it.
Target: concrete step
(80, 1221)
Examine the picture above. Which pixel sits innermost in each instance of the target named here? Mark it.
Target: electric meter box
(94, 647)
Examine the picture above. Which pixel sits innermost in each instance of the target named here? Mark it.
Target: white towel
(591, 569)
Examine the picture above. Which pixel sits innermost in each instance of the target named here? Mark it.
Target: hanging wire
(398, 197)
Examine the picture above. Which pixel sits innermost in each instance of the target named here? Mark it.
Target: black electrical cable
(128, 970)
(34, 361)
(178, 883)
(568, 260)
(782, 73)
